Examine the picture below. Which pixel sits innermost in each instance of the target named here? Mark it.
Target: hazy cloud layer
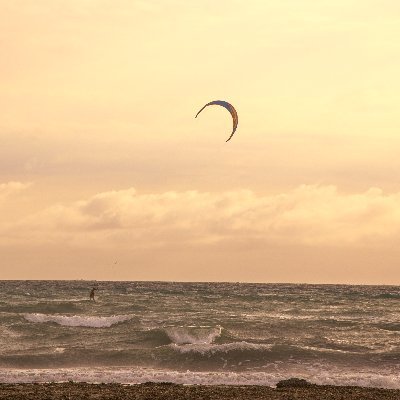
(307, 215)
(11, 188)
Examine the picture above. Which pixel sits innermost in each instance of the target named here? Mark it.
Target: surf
(78, 320)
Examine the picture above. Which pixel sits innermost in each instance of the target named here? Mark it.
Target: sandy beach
(169, 391)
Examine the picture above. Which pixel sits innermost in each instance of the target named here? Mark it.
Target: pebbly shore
(168, 391)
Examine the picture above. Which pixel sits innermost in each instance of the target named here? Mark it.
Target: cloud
(11, 188)
(308, 215)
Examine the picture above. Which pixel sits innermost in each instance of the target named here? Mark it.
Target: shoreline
(172, 391)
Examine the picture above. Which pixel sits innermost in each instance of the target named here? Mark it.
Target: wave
(394, 296)
(44, 307)
(221, 348)
(388, 379)
(393, 327)
(77, 320)
(240, 351)
(180, 335)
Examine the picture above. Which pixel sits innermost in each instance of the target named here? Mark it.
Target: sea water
(199, 333)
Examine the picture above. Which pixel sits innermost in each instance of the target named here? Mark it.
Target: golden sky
(101, 159)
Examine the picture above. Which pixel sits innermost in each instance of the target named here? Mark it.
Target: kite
(229, 107)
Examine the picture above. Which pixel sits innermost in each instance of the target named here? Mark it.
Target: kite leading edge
(230, 108)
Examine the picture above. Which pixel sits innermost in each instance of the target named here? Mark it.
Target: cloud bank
(308, 215)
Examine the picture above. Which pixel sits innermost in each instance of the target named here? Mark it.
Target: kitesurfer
(91, 296)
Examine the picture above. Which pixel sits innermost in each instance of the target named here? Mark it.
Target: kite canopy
(230, 108)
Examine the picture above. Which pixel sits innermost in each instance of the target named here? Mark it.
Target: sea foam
(193, 335)
(76, 320)
(141, 375)
(221, 348)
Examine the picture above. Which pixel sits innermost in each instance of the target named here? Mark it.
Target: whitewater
(199, 333)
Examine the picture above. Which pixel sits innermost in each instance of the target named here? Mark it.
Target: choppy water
(199, 333)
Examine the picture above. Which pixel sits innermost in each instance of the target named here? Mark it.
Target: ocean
(199, 333)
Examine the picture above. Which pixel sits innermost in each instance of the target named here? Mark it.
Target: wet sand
(167, 391)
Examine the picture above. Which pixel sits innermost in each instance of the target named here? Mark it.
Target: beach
(167, 391)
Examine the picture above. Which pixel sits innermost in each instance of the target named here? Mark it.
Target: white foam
(59, 350)
(220, 348)
(141, 375)
(193, 335)
(77, 320)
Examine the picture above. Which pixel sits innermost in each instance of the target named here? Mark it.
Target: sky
(105, 174)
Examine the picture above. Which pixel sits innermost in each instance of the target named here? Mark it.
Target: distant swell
(394, 296)
(76, 320)
(389, 327)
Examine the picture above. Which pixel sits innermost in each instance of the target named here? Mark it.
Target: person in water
(92, 294)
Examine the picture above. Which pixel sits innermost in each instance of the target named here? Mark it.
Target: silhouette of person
(92, 294)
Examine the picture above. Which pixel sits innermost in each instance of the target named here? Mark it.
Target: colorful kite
(229, 107)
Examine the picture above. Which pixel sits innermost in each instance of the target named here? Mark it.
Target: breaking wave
(135, 376)
(221, 348)
(76, 320)
(180, 335)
